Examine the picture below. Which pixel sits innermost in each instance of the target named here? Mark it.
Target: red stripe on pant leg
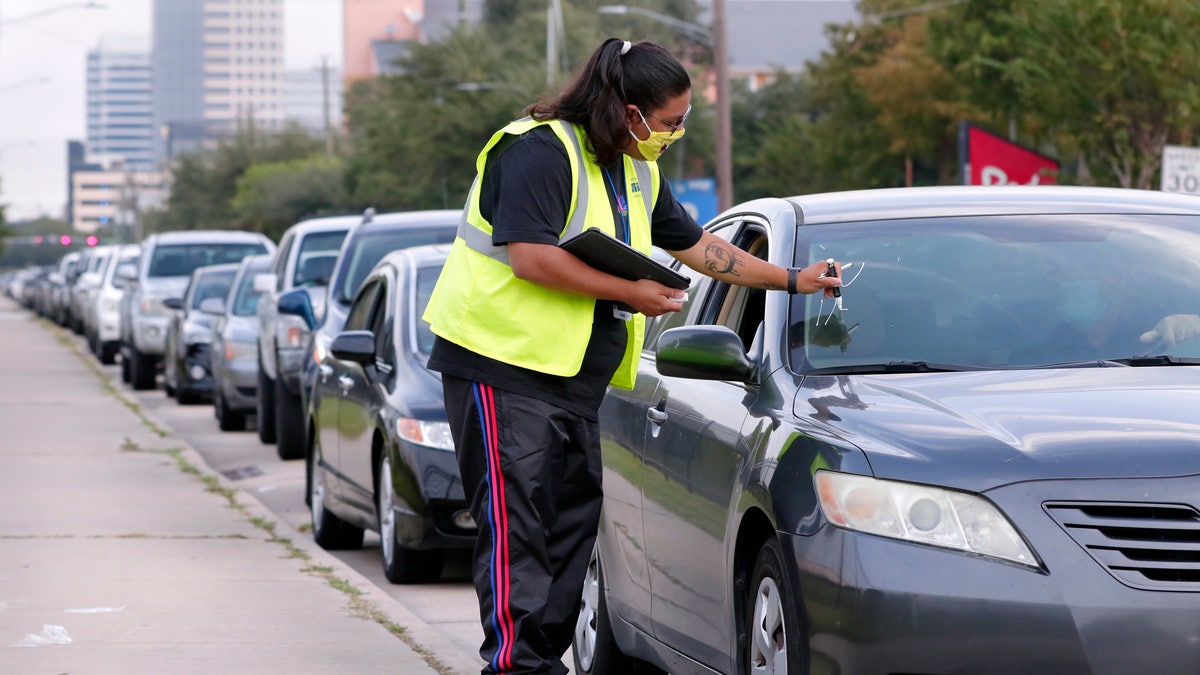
(501, 581)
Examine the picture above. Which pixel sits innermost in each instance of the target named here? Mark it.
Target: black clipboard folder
(609, 254)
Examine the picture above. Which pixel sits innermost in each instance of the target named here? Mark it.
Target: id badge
(622, 314)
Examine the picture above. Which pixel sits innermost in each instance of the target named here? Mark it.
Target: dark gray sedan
(382, 457)
(985, 460)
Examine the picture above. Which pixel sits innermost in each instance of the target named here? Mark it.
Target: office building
(310, 95)
(375, 34)
(119, 120)
(218, 67)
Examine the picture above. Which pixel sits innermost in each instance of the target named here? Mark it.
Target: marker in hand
(831, 271)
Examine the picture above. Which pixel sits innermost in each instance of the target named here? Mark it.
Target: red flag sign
(988, 159)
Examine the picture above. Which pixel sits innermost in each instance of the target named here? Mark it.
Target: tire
(126, 370)
(227, 419)
(401, 565)
(772, 636)
(265, 407)
(141, 370)
(329, 531)
(107, 354)
(186, 396)
(289, 423)
(594, 647)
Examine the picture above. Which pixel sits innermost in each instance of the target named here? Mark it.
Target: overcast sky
(43, 52)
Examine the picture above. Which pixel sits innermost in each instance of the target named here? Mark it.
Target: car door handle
(345, 383)
(325, 371)
(656, 416)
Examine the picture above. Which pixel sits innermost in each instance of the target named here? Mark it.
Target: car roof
(215, 269)
(325, 224)
(206, 236)
(417, 256)
(966, 200)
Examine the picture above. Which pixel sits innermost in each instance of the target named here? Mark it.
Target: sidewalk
(121, 552)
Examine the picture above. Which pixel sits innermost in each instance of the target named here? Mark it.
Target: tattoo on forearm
(720, 258)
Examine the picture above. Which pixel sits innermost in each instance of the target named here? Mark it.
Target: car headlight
(151, 305)
(920, 514)
(422, 432)
(241, 351)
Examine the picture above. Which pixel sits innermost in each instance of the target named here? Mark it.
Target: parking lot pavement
(121, 552)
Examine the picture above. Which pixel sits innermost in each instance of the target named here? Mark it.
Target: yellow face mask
(652, 147)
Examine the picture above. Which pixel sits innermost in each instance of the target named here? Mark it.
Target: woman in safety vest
(529, 336)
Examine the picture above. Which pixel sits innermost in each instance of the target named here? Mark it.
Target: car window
(362, 308)
(245, 298)
(368, 247)
(994, 292)
(426, 279)
(283, 252)
(318, 253)
(381, 325)
(212, 285)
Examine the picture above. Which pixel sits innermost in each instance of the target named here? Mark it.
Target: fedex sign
(988, 159)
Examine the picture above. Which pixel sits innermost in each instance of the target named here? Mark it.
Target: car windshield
(426, 279)
(996, 292)
(177, 260)
(368, 248)
(245, 299)
(212, 285)
(318, 252)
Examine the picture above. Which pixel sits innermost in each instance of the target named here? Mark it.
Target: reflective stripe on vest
(481, 242)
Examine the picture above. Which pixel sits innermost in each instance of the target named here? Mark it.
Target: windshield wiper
(1159, 360)
(896, 367)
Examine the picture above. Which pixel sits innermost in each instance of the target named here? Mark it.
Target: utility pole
(724, 112)
(326, 114)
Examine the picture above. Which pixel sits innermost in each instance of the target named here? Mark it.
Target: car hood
(166, 287)
(197, 320)
(980, 430)
(241, 328)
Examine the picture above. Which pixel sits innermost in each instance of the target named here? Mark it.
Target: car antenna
(368, 215)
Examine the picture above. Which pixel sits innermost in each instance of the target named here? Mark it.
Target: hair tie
(625, 47)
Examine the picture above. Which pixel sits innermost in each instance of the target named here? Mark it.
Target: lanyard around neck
(622, 207)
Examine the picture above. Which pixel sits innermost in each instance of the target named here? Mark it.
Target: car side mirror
(213, 306)
(354, 345)
(296, 303)
(265, 282)
(703, 353)
(173, 303)
(127, 272)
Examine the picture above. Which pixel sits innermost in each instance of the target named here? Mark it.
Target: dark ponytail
(646, 76)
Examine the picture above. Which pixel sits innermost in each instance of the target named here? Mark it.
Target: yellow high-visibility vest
(478, 303)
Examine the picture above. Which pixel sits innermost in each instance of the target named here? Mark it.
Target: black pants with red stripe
(532, 476)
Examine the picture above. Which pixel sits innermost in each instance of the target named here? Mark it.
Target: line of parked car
(318, 339)
(985, 459)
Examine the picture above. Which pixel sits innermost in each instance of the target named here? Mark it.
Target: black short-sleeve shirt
(526, 195)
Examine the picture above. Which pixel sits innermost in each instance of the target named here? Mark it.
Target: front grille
(1151, 546)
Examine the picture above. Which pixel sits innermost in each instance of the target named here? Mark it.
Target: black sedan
(984, 459)
(381, 455)
(187, 363)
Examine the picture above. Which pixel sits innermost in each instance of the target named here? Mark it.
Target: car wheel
(186, 396)
(594, 647)
(227, 418)
(126, 369)
(289, 423)
(401, 565)
(141, 370)
(772, 635)
(329, 531)
(108, 354)
(265, 407)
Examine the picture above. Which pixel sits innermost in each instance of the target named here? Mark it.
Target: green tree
(205, 183)
(1113, 80)
(271, 196)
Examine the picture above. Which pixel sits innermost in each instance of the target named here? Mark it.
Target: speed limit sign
(1181, 169)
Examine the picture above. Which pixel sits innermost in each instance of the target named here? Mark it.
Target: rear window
(179, 260)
